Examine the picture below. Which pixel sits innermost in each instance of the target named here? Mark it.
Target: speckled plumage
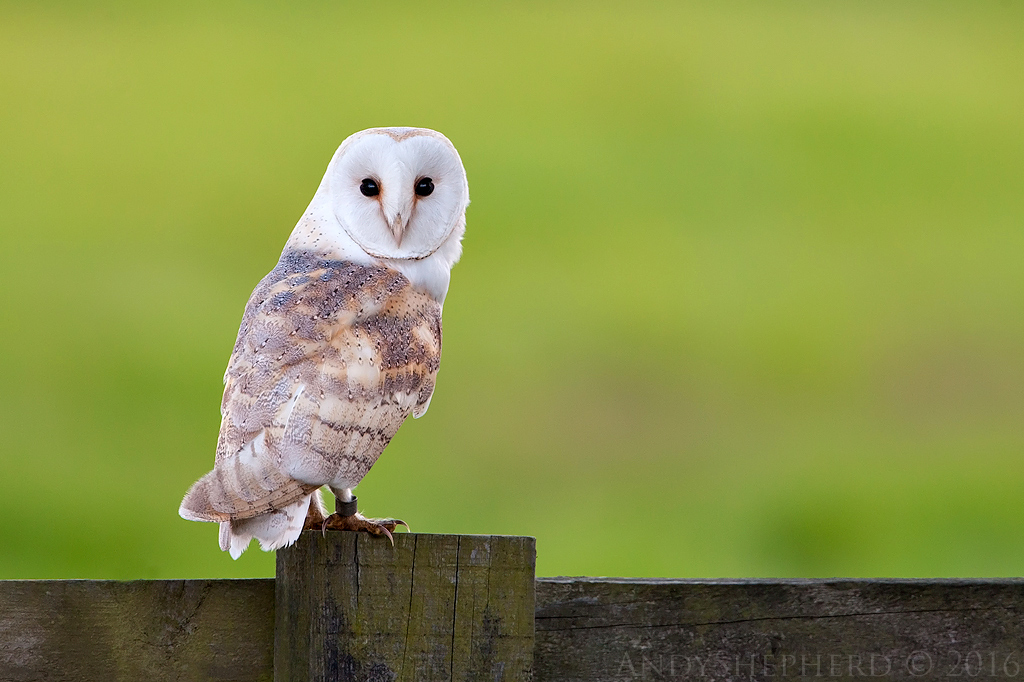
(335, 350)
(331, 358)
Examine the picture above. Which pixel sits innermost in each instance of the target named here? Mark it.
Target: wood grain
(452, 607)
(153, 630)
(433, 607)
(619, 629)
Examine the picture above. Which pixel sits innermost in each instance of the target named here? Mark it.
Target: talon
(356, 522)
(314, 516)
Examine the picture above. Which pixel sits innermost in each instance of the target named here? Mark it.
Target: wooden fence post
(350, 607)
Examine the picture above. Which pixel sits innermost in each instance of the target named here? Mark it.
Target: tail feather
(243, 486)
(273, 530)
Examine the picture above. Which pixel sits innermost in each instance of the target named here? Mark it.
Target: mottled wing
(331, 358)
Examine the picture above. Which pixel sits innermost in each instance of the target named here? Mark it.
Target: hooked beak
(396, 209)
(398, 225)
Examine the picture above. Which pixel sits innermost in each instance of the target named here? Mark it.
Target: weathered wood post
(350, 607)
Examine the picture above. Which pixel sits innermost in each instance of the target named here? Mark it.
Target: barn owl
(339, 343)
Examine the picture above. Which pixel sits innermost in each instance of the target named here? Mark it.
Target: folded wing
(331, 358)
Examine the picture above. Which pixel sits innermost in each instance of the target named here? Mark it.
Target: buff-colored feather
(331, 359)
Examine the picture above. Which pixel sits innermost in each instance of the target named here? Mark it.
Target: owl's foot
(358, 522)
(314, 520)
(345, 517)
(315, 516)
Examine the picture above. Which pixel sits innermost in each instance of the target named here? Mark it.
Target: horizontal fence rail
(451, 607)
(622, 629)
(105, 630)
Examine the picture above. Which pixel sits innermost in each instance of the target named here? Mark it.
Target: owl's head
(399, 193)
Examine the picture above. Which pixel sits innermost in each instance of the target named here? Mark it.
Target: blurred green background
(742, 292)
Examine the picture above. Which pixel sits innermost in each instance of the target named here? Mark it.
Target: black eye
(424, 186)
(369, 187)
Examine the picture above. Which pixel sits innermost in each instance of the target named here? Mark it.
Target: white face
(398, 192)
